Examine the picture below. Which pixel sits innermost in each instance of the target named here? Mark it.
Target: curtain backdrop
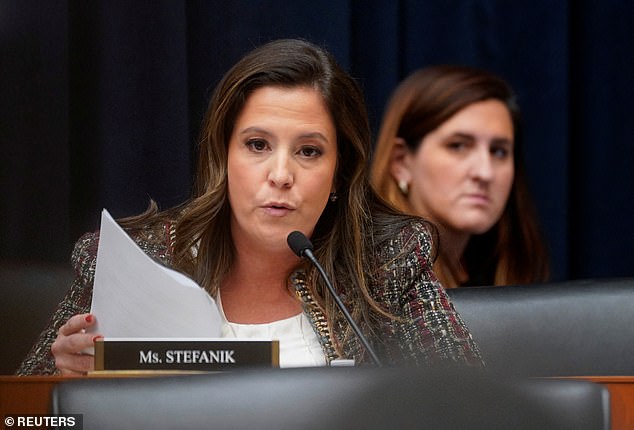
(101, 102)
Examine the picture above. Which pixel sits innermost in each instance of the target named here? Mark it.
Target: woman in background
(284, 147)
(449, 149)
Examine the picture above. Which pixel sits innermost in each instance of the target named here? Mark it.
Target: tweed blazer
(425, 328)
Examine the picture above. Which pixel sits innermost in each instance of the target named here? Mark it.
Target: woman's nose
(280, 173)
(482, 165)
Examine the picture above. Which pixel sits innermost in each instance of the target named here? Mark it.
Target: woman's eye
(456, 146)
(500, 152)
(256, 145)
(310, 152)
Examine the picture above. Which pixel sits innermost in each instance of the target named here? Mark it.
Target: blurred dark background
(101, 102)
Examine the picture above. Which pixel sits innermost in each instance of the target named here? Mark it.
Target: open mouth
(279, 205)
(277, 209)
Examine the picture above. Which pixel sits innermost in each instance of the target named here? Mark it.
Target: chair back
(318, 398)
(573, 328)
(29, 294)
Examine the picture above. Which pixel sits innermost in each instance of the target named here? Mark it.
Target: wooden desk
(26, 395)
(30, 395)
(621, 390)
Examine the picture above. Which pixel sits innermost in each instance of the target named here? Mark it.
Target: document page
(137, 297)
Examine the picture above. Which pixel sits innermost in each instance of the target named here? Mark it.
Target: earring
(404, 187)
(333, 197)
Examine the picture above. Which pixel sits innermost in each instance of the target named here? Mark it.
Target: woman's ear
(400, 161)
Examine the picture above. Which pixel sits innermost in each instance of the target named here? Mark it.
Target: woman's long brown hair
(345, 234)
(513, 250)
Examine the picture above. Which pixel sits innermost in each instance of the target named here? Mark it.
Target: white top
(299, 345)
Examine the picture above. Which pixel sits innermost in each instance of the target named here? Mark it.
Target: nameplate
(184, 354)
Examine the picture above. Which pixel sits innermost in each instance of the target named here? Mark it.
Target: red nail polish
(96, 337)
(88, 318)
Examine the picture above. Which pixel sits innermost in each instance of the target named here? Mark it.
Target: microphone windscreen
(299, 243)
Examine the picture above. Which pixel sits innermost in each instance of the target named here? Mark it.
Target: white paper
(137, 297)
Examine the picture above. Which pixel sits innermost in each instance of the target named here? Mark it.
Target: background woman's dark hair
(513, 250)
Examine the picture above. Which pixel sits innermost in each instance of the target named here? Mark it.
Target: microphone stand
(309, 254)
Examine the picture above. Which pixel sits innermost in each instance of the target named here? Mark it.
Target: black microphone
(302, 247)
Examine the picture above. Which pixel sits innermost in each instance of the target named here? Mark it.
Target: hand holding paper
(135, 296)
